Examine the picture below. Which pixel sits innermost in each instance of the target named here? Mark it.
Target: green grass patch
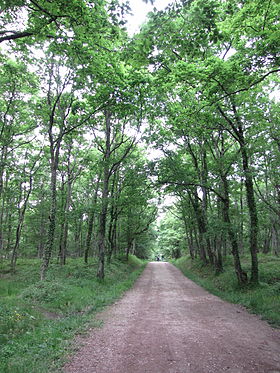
(262, 299)
(38, 320)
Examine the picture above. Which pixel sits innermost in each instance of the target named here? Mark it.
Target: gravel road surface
(168, 324)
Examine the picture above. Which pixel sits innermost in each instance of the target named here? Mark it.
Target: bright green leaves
(254, 30)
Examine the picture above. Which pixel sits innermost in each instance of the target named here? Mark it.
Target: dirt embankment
(168, 324)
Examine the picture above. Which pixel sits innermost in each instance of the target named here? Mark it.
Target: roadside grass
(38, 320)
(262, 299)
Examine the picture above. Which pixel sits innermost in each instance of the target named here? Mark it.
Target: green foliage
(38, 319)
(46, 291)
(262, 299)
(171, 240)
(197, 83)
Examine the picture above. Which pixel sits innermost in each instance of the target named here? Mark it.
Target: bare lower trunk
(104, 199)
(238, 129)
(201, 227)
(253, 216)
(51, 231)
(90, 223)
(101, 238)
(63, 244)
(240, 274)
(129, 249)
(18, 236)
(89, 234)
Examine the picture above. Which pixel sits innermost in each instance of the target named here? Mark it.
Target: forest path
(168, 324)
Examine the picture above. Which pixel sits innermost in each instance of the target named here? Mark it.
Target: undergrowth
(38, 319)
(262, 299)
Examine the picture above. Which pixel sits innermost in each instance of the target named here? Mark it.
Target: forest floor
(168, 324)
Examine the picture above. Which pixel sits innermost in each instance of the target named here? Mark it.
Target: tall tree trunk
(129, 248)
(54, 150)
(204, 205)
(253, 215)
(218, 242)
(104, 198)
(188, 233)
(2, 208)
(241, 220)
(42, 233)
(237, 128)
(78, 234)
(114, 213)
(240, 274)
(102, 226)
(2, 199)
(201, 226)
(91, 217)
(64, 236)
(201, 208)
(21, 217)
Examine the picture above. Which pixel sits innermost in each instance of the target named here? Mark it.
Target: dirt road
(168, 324)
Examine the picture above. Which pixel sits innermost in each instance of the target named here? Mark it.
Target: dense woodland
(97, 127)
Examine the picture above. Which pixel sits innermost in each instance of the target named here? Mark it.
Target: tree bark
(21, 217)
(64, 235)
(91, 217)
(201, 226)
(240, 274)
(237, 128)
(104, 198)
(253, 215)
(52, 216)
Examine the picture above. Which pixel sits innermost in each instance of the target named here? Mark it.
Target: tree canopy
(84, 108)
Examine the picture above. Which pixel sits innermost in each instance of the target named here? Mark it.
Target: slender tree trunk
(89, 234)
(78, 234)
(2, 208)
(275, 238)
(218, 257)
(9, 232)
(2, 199)
(113, 217)
(102, 226)
(240, 274)
(253, 215)
(204, 207)
(241, 224)
(63, 243)
(62, 217)
(22, 211)
(218, 241)
(104, 199)
(42, 233)
(129, 248)
(16, 245)
(91, 222)
(191, 244)
(237, 128)
(53, 210)
(201, 208)
(201, 227)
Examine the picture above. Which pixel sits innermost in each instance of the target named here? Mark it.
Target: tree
(197, 77)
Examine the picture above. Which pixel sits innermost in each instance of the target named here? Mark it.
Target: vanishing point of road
(168, 324)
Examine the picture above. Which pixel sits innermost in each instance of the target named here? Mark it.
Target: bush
(44, 291)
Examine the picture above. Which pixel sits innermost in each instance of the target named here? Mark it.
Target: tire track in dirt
(168, 324)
